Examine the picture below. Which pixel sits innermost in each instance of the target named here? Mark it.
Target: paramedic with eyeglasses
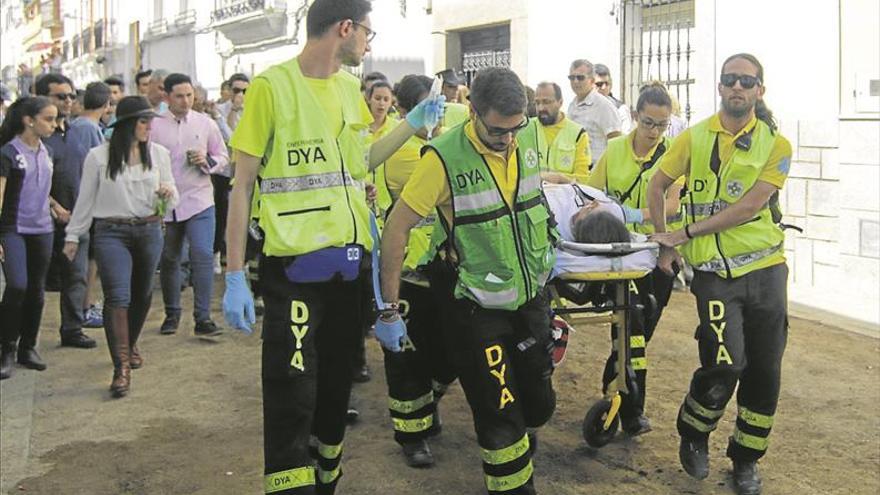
(735, 161)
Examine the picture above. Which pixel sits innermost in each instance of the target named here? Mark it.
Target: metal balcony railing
(159, 26)
(225, 9)
(185, 18)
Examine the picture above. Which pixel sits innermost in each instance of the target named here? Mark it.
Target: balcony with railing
(246, 22)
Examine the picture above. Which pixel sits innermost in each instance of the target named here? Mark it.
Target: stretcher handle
(611, 248)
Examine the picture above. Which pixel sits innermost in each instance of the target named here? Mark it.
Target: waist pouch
(324, 265)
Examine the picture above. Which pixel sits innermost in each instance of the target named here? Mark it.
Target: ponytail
(13, 124)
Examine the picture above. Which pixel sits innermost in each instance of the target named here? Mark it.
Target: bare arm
(382, 149)
(673, 202)
(394, 239)
(246, 168)
(657, 191)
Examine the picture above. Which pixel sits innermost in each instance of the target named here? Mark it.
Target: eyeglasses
(602, 84)
(650, 124)
(577, 77)
(64, 96)
(370, 33)
(747, 82)
(500, 131)
(236, 91)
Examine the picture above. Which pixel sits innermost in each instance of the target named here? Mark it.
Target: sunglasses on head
(577, 77)
(65, 96)
(747, 82)
(239, 90)
(500, 131)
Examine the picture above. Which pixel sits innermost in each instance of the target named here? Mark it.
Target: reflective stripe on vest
(505, 254)
(752, 245)
(312, 179)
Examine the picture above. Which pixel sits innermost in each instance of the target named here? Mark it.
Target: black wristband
(687, 231)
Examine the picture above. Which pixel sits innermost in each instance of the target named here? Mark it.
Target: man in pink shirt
(197, 151)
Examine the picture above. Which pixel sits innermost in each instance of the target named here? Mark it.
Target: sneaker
(694, 457)
(217, 268)
(169, 326)
(77, 339)
(746, 479)
(418, 454)
(636, 426)
(93, 317)
(560, 332)
(207, 328)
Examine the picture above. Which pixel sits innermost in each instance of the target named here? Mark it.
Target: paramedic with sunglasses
(734, 162)
(623, 173)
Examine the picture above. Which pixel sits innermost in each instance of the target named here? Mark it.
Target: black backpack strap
(658, 152)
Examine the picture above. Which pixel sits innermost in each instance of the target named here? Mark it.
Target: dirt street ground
(192, 424)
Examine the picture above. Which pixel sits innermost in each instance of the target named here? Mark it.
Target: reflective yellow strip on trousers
(756, 419)
(506, 454)
(515, 480)
(408, 406)
(702, 411)
(637, 341)
(696, 423)
(413, 425)
(639, 364)
(327, 477)
(329, 451)
(290, 479)
(750, 441)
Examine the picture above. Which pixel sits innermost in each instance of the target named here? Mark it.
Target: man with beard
(303, 131)
(563, 145)
(735, 163)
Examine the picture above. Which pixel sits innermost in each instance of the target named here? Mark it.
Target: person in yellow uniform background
(563, 145)
(303, 137)
(380, 100)
(623, 173)
(419, 375)
(735, 161)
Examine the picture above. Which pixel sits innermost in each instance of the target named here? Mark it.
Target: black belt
(131, 220)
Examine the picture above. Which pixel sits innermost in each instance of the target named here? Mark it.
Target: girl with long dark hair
(25, 228)
(126, 187)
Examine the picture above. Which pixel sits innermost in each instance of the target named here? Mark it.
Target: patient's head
(598, 226)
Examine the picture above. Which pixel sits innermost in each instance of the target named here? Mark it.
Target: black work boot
(418, 454)
(694, 457)
(78, 339)
(28, 357)
(746, 479)
(636, 426)
(7, 361)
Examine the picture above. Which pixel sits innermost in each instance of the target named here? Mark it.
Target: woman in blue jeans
(25, 228)
(126, 187)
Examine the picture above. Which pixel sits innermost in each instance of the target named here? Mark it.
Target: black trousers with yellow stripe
(418, 375)
(657, 285)
(742, 336)
(310, 334)
(503, 363)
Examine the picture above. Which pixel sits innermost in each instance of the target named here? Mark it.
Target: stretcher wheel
(594, 430)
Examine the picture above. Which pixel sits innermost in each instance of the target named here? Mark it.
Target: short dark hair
(582, 62)
(97, 95)
(653, 93)
(375, 76)
(142, 74)
(174, 79)
(557, 91)
(115, 81)
(410, 90)
(599, 227)
(499, 89)
(238, 76)
(602, 70)
(226, 85)
(324, 13)
(42, 85)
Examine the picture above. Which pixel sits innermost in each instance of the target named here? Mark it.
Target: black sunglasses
(747, 82)
(370, 33)
(578, 77)
(65, 96)
(500, 131)
(236, 91)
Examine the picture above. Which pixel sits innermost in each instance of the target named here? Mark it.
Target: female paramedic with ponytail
(735, 161)
(623, 173)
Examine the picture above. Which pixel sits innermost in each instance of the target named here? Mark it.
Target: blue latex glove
(390, 333)
(238, 303)
(427, 113)
(632, 215)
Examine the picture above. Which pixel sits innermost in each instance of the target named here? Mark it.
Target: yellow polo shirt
(428, 187)
(401, 165)
(676, 161)
(582, 158)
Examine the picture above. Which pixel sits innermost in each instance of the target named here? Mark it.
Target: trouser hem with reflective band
(422, 367)
(742, 336)
(504, 366)
(508, 469)
(309, 336)
(290, 479)
(652, 292)
(329, 463)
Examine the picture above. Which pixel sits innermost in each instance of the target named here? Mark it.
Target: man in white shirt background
(591, 109)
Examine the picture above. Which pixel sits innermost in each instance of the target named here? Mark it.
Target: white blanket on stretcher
(564, 202)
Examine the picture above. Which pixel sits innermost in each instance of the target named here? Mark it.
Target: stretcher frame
(602, 419)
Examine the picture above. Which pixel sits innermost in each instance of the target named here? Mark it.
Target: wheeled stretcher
(601, 274)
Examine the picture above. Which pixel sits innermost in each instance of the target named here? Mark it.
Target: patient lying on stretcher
(586, 215)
